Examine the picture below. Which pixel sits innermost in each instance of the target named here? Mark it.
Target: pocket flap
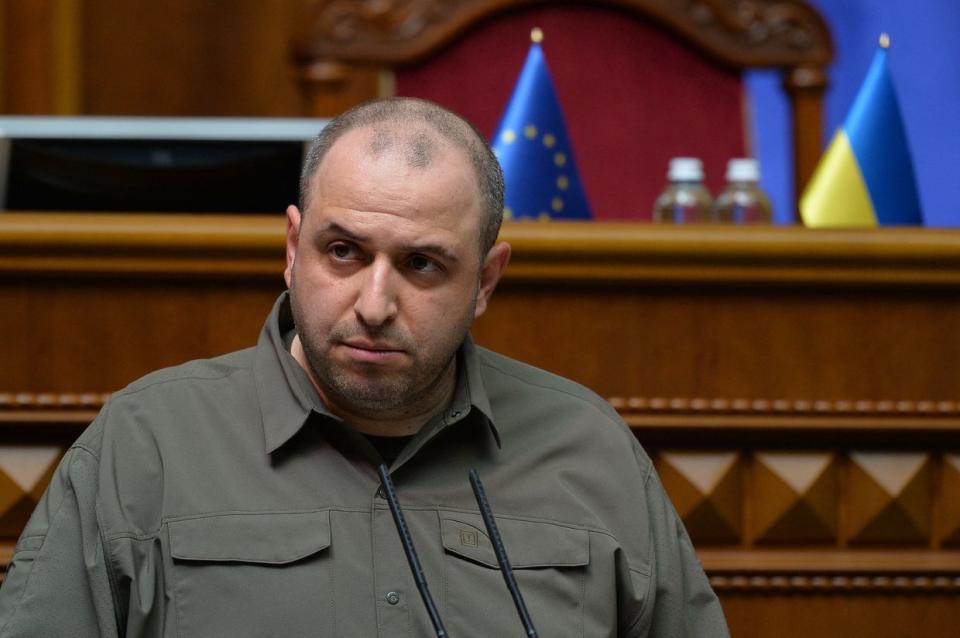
(529, 544)
(271, 538)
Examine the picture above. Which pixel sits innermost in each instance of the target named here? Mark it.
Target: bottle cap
(743, 169)
(685, 169)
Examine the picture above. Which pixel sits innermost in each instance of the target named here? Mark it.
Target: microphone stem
(407, 541)
(501, 552)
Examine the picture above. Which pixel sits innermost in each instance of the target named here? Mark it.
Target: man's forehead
(383, 137)
(402, 147)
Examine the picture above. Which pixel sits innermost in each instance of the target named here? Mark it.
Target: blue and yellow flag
(866, 176)
(534, 149)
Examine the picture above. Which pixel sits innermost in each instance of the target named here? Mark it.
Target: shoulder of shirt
(559, 389)
(534, 377)
(167, 383)
(191, 372)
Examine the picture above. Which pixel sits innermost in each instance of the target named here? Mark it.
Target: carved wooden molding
(740, 33)
(832, 584)
(819, 407)
(835, 572)
(57, 416)
(630, 405)
(594, 253)
(24, 401)
(659, 418)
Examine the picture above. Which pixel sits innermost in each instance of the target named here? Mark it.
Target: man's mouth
(371, 351)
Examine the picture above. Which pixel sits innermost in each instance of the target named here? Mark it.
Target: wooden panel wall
(798, 390)
(178, 57)
(629, 310)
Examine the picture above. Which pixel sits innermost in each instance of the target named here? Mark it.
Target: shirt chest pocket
(549, 563)
(253, 574)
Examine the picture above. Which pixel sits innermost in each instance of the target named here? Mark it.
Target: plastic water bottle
(685, 199)
(742, 201)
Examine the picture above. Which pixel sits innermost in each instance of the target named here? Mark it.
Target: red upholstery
(633, 96)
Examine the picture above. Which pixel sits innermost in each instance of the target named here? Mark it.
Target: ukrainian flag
(866, 176)
(534, 149)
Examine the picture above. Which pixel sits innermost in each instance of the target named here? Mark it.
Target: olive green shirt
(220, 498)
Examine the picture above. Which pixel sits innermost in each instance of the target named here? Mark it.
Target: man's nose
(376, 302)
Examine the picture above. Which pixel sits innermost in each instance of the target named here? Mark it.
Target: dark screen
(153, 175)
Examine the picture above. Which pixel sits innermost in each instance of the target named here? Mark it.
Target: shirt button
(392, 597)
(381, 493)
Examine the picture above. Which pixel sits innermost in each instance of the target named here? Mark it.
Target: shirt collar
(288, 398)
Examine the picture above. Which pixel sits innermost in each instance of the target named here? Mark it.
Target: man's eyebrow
(433, 249)
(333, 228)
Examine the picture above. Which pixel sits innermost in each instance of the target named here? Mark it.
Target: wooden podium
(798, 390)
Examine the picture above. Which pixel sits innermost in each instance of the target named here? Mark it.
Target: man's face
(385, 274)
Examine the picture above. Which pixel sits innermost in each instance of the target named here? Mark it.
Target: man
(239, 496)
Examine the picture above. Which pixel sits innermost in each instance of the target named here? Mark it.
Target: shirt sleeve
(682, 603)
(57, 583)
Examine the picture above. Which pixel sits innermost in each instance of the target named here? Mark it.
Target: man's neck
(401, 422)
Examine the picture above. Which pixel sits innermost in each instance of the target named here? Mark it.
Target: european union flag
(865, 177)
(534, 149)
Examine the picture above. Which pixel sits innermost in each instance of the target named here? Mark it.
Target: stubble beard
(369, 390)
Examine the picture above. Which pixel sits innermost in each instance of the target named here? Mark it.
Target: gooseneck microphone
(501, 553)
(417, 570)
(407, 541)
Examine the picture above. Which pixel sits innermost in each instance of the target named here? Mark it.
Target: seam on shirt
(333, 587)
(373, 581)
(119, 613)
(128, 391)
(444, 582)
(516, 517)
(361, 510)
(641, 614)
(220, 513)
(82, 446)
(187, 517)
(149, 536)
(131, 536)
(649, 473)
(553, 389)
(583, 598)
(175, 595)
(36, 558)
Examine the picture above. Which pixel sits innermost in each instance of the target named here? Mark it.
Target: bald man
(239, 496)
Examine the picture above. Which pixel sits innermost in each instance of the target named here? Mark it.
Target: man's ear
(493, 267)
(293, 236)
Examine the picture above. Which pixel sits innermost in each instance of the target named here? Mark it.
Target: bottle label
(684, 214)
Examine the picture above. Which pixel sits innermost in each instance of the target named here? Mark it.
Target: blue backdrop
(925, 63)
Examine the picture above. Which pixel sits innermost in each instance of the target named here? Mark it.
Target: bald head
(418, 129)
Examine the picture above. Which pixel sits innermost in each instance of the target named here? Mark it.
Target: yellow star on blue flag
(534, 150)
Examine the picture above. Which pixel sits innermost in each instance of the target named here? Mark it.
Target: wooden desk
(799, 390)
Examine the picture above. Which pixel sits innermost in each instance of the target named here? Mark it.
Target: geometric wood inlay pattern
(890, 498)
(795, 497)
(25, 472)
(950, 499)
(705, 488)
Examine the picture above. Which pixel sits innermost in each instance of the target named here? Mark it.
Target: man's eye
(343, 251)
(419, 263)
